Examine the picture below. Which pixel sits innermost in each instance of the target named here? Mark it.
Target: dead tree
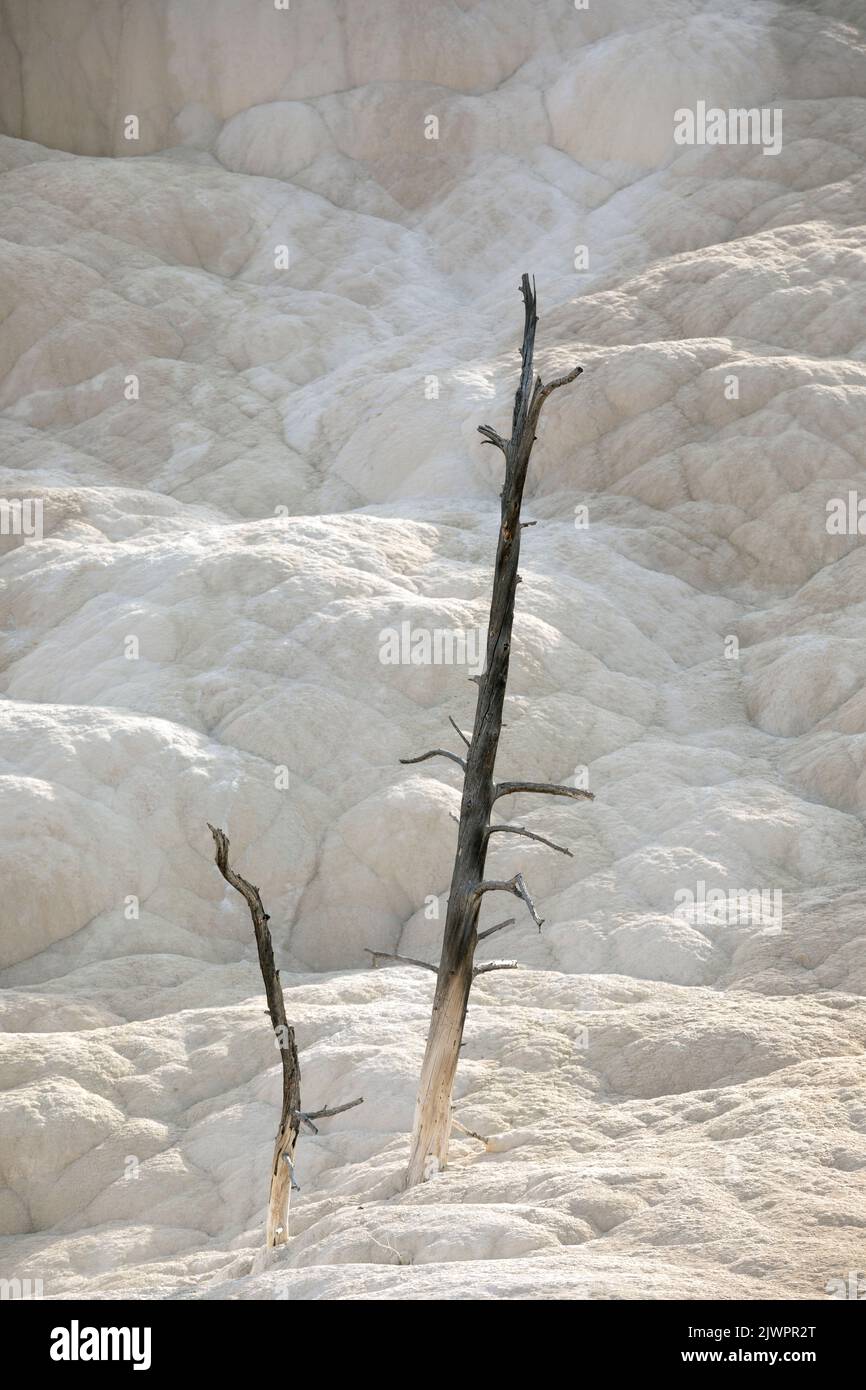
(456, 971)
(292, 1117)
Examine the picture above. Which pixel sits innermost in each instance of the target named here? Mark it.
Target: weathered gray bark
(291, 1115)
(429, 1150)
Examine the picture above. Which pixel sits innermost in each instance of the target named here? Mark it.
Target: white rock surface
(675, 1109)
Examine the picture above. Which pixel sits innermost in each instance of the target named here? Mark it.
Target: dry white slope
(674, 1110)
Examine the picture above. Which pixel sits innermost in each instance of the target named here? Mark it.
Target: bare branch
(490, 965)
(561, 381)
(529, 835)
(457, 729)
(541, 392)
(436, 753)
(550, 788)
(307, 1116)
(470, 1132)
(328, 1110)
(403, 960)
(509, 922)
(514, 885)
(492, 437)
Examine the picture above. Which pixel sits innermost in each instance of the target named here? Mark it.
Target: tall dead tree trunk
(429, 1151)
(292, 1118)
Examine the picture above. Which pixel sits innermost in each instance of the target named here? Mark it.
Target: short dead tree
(456, 970)
(292, 1118)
